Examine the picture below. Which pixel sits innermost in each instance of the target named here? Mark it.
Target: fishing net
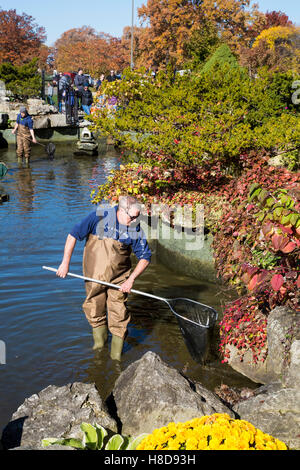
(196, 322)
(50, 150)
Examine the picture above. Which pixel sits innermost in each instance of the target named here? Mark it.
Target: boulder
(258, 373)
(56, 412)
(37, 107)
(283, 360)
(274, 410)
(4, 93)
(41, 122)
(149, 394)
(58, 120)
(4, 107)
(2, 88)
(292, 378)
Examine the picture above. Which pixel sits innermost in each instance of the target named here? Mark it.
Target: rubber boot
(100, 336)
(116, 347)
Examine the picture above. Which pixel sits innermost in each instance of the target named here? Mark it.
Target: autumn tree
(169, 25)
(261, 55)
(45, 58)
(233, 20)
(20, 37)
(266, 21)
(126, 42)
(75, 35)
(277, 18)
(173, 27)
(277, 48)
(95, 52)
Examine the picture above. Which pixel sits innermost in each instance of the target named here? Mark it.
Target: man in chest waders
(111, 235)
(25, 134)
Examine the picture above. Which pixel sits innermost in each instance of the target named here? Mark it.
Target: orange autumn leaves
(21, 38)
(95, 52)
(169, 32)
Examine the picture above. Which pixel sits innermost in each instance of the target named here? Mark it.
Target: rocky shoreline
(147, 395)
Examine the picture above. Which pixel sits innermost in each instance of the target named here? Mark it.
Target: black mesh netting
(50, 150)
(196, 322)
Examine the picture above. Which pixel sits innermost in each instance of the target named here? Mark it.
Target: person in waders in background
(111, 234)
(25, 134)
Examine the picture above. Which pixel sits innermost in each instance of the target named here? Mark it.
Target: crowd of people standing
(74, 92)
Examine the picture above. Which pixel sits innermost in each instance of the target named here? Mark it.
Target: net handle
(108, 284)
(133, 291)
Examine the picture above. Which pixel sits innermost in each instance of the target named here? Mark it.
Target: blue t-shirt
(26, 121)
(104, 223)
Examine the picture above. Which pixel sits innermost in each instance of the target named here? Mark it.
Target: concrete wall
(179, 252)
(56, 135)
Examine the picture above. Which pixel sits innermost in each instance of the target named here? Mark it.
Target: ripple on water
(48, 340)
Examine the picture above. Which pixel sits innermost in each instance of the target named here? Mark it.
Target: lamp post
(132, 26)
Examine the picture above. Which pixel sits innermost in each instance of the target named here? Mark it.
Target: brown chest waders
(23, 142)
(107, 260)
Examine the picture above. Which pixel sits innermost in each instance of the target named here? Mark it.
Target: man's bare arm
(68, 251)
(139, 269)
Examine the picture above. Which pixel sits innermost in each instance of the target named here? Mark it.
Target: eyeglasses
(132, 217)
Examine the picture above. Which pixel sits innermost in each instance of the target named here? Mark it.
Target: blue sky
(108, 16)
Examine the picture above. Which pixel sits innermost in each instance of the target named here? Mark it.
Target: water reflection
(25, 189)
(48, 340)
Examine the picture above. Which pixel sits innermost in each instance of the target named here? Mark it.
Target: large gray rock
(58, 120)
(149, 394)
(2, 88)
(276, 411)
(56, 412)
(258, 373)
(4, 107)
(41, 122)
(283, 330)
(4, 93)
(37, 107)
(292, 378)
(283, 360)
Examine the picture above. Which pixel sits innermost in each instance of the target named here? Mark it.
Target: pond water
(47, 338)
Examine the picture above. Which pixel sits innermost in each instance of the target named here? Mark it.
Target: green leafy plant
(256, 247)
(203, 117)
(23, 81)
(94, 438)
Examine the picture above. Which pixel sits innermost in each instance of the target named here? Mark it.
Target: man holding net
(25, 134)
(111, 234)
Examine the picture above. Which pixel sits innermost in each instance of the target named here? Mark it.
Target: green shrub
(205, 117)
(23, 81)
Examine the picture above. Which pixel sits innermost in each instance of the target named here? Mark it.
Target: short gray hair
(128, 202)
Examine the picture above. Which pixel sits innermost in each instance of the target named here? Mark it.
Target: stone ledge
(147, 395)
(282, 363)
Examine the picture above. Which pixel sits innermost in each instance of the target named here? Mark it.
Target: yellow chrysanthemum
(214, 432)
